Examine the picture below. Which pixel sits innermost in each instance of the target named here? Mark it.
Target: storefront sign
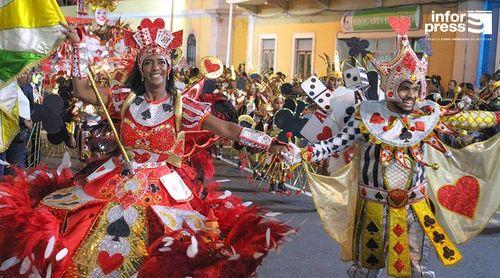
(376, 19)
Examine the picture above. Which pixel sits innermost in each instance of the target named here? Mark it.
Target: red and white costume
(153, 221)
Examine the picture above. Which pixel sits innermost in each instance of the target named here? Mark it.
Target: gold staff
(108, 117)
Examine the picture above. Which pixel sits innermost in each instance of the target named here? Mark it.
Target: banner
(376, 19)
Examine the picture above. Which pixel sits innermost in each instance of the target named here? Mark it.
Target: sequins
(462, 197)
(409, 62)
(159, 139)
(98, 252)
(150, 114)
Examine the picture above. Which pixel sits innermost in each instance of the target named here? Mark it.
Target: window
(383, 49)
(191, 50)
(267, 54)
(303, 57)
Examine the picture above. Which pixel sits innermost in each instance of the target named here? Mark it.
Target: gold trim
(178, 111)
(85, 259)
(126, 103)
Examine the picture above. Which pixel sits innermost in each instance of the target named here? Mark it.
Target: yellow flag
(9, 115)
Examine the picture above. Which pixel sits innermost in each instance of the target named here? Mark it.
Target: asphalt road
(312, 253)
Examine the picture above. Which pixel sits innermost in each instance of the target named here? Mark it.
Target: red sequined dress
(154, 222)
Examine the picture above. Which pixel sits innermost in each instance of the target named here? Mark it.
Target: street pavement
(312, 253)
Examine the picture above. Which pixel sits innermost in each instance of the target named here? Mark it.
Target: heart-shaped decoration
(376, 119)
(101, 168)
(141, 158)
(397, 198)
(109, 263)
(325, 134)
(462, 197)
(145, 23)
(400, 24)
(211, 67)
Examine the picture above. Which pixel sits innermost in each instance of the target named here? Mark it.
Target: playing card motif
(448, 253)
(372, 260)
(289, 119)
(67, 198)
(357, 46)
(425, 44)
(344, 105)
(318, 92)
(372, 244)
(398, 132)
(429, 221)
(437, 237)
(356, 78)
(372, 228)
(319, 127)
(348, 135)
(405, 135)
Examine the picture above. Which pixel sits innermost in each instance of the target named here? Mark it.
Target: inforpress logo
(478, 22)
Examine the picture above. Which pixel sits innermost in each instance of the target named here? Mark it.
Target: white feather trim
(10, 262)
(50, 247)
(192, 250)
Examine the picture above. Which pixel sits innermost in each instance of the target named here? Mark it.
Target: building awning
(379, 34)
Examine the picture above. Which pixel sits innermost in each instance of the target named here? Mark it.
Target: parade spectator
(450, 93)
(483, 80)
(496, 75)
(17, 152)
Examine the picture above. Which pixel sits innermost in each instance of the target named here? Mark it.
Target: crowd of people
(465, 96)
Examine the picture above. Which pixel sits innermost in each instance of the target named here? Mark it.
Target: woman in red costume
(148, 218)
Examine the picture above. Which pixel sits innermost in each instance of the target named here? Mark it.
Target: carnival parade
(248, 138)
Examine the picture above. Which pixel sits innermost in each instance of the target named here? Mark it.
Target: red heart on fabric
(400, 24)
(325, 134)
(211, 67)
(141, 158)
(462, 197)
(101, 168)
(109, 263)
(397, 198)
(376, 119)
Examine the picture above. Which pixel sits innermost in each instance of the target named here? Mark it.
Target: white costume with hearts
(394, 221)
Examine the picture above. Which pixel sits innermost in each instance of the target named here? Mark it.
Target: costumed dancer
(333, 78)
(393, 223)
(150, 217)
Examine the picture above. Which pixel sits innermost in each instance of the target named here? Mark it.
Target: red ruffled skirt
(56, 224)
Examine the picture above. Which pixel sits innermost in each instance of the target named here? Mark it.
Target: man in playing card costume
(378, 207)
(150, 218)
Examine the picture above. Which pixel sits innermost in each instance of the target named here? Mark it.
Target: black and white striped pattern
(371, 169)
(349, 134)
